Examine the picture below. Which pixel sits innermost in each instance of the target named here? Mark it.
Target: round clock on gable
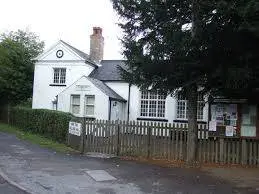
(59, 53)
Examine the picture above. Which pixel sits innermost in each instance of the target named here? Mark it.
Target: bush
(50, 123)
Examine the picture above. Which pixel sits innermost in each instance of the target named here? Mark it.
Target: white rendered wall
(101, 108)
(170, 105)
(43, 93)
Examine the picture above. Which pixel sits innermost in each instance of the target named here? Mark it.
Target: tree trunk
(192, 138)
(192, 93)
(8, 113)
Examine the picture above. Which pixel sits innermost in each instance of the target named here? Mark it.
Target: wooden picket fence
(166, 141)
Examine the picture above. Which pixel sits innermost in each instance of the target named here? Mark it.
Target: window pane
(59, 75)
(248, 120)
(181, 109)
(144, 108)
(162, 97)
(62, 76)
(56, 75)
(153, 95)
(161, 108)
(75, 109)
(76, 100)
(182, 106)
(90, 99)
(200, 110)
(89, 110)
(181, 96)
(152, 108)
(152, 104)
(144, 95)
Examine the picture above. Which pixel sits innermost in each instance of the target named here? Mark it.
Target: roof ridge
(72, 47)
(109, 70)
(79, 52)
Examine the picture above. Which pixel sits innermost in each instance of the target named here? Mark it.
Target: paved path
(6, 188)
(42, 171)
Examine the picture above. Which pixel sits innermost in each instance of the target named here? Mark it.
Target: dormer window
(59, 76)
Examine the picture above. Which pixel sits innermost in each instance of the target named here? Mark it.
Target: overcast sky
(69, 20)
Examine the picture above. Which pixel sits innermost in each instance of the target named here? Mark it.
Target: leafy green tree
(17, 51)
(191, 44)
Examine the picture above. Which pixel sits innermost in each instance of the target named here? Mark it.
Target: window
(182, 106)
(59, 76)
(75, 104)
(152, 104)
(89, 105)
(200, 105)
(248, 120)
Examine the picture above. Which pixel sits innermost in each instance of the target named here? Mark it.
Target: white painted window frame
(200, 103)
(57, 77)
(71, 104)
(159, 98)
(87, 105)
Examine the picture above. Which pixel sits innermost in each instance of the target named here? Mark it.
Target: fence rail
(164, 141)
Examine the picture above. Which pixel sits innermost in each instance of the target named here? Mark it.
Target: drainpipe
(109, 116)
(128, 102)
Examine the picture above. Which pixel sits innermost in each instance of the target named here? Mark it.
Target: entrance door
(115, 110)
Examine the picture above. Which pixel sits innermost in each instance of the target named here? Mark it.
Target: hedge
(49, 123)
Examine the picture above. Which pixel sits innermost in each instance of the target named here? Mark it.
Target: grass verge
(36, 139)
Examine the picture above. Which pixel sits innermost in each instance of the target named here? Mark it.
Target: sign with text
(75, 128)
(229, 131)
(82, 88)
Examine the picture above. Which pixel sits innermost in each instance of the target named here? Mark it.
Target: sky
(69, 20)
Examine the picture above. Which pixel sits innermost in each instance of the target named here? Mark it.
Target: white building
(69, 80)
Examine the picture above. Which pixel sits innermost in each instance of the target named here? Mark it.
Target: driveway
(41, 170)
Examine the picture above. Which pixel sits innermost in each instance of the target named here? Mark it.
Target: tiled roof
(106, 89)
(102, 86)
(109, 71)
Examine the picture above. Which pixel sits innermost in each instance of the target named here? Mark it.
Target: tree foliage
(207, 44)
(162, 51)
(17, 51)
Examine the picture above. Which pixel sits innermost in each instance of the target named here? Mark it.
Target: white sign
(82, 88)
(75, 128)
(213, 126)
(229, 131)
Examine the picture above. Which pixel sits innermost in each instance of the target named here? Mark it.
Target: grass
(36, 139)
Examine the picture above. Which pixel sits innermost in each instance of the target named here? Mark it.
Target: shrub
(49, 123)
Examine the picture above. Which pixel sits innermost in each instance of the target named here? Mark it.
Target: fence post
(83, 136)
(244, 152)
(118, 138)
(221, 150)
(68, 136)
(148, 141)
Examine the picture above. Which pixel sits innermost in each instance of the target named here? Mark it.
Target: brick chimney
(96, 44)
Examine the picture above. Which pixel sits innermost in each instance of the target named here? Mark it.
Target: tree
(17, 51)
(190, 44)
